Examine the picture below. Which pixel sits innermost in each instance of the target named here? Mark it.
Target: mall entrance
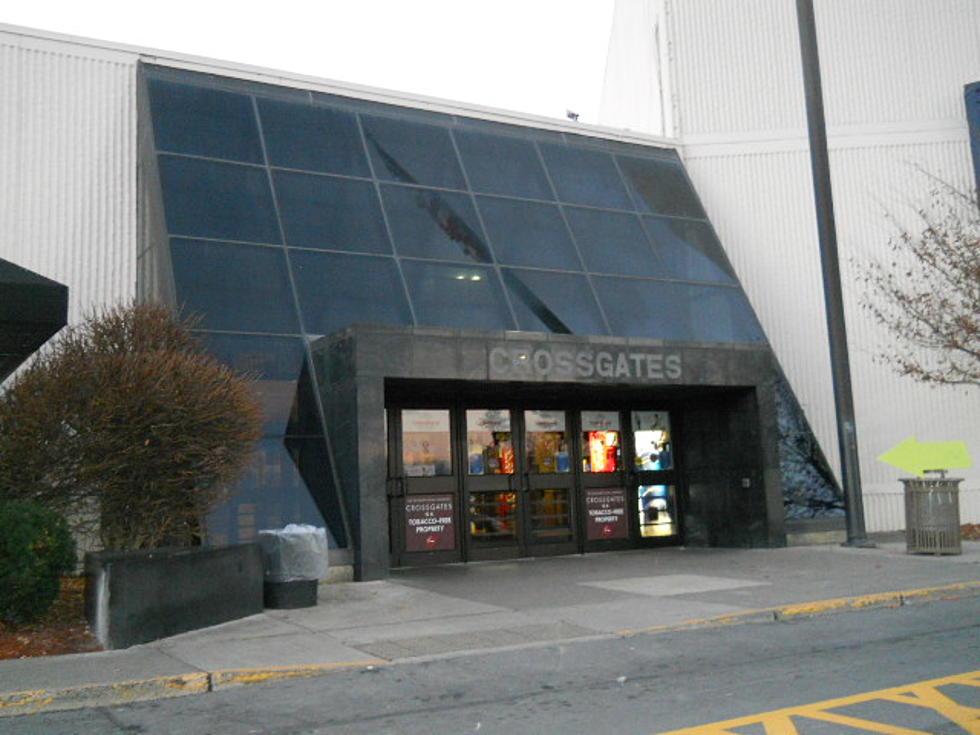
(472, 480)
(457, 445)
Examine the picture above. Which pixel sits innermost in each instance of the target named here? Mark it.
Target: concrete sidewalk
(443, 611)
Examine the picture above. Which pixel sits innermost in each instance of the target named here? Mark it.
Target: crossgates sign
(559, 362)
(923, 694)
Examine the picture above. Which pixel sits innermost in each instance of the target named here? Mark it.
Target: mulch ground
(970, 532)
(65, 630)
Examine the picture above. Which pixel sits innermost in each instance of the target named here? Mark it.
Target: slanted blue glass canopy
(292, 214)
(436, 195)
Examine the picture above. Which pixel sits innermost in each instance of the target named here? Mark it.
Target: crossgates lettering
(921, 694)
(555, 363)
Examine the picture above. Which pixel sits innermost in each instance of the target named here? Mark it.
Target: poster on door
(605, 514)
(429, 523)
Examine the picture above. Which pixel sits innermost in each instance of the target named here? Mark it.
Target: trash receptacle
(932, 515)
(295, 559)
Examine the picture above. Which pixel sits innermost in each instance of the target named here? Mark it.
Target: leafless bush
(126, 414)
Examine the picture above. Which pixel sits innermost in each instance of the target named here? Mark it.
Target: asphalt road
(647, 683)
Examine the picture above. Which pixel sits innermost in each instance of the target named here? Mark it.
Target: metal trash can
(294, 559)
(932, 515)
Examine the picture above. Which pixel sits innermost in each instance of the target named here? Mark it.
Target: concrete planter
(139, 596)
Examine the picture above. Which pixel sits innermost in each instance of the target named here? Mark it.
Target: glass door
(655, 485)
(604, 481)
(490, 495)
(422, 487)
(547, 487)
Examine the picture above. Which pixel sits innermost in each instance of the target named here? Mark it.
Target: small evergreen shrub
(36, 549)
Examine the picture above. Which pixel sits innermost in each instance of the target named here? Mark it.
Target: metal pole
(823, 196)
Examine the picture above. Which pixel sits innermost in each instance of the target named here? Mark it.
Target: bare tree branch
(927, 293)
(126, 426)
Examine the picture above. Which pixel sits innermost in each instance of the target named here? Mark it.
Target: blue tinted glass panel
(304, 419)
(276, 364)
(553, 302)
(720, 314)
(241, 288)
(613, 242)
(528, 233)
(271, 494)
(312, 138)
(412, 152)
(220, 200)
(663, 310)
(336, 290)
(496, 164)
(971, 96)
(641, 308)
(426, 223)
(456, 296)
(204, 122)
(659, 187)
(330, 214)
(509, 130)
(583, 176)
(310, 457)
(689, 249)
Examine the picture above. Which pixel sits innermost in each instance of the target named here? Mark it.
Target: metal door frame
(460, 484)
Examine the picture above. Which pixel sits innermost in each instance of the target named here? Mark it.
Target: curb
(162, 687)
(821, 607)
(102, 695)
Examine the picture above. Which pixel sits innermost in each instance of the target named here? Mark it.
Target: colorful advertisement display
(490, 448)
(605, 514)
(429, 523)
(426, 443)
(547, 443)
(651, 438)
(601, 439)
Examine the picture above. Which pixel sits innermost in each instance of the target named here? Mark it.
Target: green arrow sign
(915, 457)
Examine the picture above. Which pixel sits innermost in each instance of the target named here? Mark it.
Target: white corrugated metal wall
(893, 74)
(68, 166)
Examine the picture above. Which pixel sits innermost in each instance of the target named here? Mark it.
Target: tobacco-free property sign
(605, 514)
(429, 524)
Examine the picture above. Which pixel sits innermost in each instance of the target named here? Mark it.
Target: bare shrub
(127, 415)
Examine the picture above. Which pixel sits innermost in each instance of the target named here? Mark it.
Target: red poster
(605, 514)
(429, 523)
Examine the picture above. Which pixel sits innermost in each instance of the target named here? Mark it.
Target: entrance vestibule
(470, 482)
(444, 451)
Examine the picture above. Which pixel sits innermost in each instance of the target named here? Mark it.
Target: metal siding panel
(893, 73)
(761, 207)
(761, 204)
(886, 61)
(629, 99)
(889, 408)
(68, 167)
(736, 65)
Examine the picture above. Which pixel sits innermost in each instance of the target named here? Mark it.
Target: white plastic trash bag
(296, 552)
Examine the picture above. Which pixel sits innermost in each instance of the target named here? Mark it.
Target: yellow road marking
(780, 612)
(268, 673)
(920, 694)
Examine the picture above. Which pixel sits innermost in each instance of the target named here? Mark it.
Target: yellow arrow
(916, 457)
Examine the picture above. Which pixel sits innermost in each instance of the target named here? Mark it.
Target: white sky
(535, 56)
